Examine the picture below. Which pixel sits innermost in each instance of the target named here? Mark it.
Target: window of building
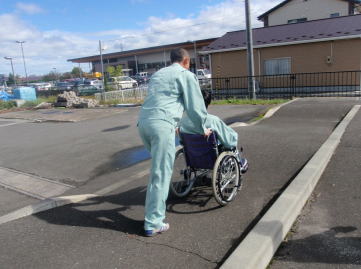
(277, 66)
(333, 15)
(297, 20)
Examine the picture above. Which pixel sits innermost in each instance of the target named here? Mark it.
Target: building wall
(310, 57)
(149, 62)
(310, 9)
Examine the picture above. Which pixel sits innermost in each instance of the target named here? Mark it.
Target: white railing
(138, 93)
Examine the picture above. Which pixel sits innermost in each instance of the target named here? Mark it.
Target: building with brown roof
(148, 59)
(332, 44)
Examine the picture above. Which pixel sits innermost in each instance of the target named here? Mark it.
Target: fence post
(227, 87)
(293, 78)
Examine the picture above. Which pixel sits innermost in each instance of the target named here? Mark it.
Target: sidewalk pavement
(62, 114)
(106, 231)
(328, 232)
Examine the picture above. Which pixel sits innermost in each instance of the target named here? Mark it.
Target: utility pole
(101, 63)
(251, 82)
(80, 73)
(195, 55)
(22, 51)
(12, 67)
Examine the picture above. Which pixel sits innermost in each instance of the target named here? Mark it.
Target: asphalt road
(328, 231)
(75, 153)
(106, 231)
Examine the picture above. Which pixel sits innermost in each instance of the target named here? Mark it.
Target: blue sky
(55, 30)
(90, 16)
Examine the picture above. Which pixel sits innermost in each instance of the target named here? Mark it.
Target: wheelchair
(196, 157)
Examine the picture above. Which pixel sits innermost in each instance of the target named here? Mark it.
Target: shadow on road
(198, 201)
(120, 160)
(121, 212)
(329, 247)
(105, 212)
(118, 128)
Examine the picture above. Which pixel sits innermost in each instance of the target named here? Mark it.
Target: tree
(119, 71)
(51, 76)
(76, 71)
(11, 79)
(66, 75)
(110, 70)
(115, 71)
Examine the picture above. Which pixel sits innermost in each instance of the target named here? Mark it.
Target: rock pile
(69, 100)
(44, 105)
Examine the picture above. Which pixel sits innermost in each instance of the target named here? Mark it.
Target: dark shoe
(243, 165)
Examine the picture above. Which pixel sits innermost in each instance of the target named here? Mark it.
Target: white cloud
(29, 8)
(211, 21)
(45, 50)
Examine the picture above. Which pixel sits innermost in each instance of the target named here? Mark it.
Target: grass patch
(249, 102)
(7, 104)
(259, 117)
(30, 104)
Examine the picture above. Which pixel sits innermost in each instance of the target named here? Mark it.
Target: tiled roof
(301, 32)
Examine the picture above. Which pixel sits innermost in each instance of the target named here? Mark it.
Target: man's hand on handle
(207, 132)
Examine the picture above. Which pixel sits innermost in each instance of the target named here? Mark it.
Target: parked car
(94, 82)
(64, 86)
(86, 90)
(41, 86)
(124, 82)
(140, 79)
(203, 74)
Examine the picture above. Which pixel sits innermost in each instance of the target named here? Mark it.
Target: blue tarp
(25, 93)
(4, 96)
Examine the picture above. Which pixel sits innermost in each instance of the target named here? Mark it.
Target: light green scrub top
(225, 134)
(172, 90)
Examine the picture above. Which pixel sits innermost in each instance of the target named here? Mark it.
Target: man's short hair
(207, 97)
(177, 55)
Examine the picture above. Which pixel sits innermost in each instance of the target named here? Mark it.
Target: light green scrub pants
(159, 139)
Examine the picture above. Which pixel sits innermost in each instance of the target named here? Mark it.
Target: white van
(96, 83)
(203, 74)
(124, 82)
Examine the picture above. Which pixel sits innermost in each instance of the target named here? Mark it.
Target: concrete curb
(51, 203)
(44, 205)
(268, 114)
(259, 246)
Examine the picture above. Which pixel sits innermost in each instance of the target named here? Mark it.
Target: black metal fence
(48, 93)
(323, 84)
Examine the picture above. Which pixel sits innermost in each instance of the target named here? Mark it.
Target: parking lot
(106, 231)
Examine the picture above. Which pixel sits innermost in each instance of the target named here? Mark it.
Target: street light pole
(55, 74)
(101, 62)
(80, 73)
(195, 55)
(22, 51)
(12, 67)
(251, 84)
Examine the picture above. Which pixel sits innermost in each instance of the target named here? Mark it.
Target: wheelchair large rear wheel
(225, 180)
(183, 177)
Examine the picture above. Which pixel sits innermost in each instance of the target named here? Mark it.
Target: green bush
(30, 104)
(7, 104)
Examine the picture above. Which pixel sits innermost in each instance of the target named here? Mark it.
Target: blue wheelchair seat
(201, 152)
